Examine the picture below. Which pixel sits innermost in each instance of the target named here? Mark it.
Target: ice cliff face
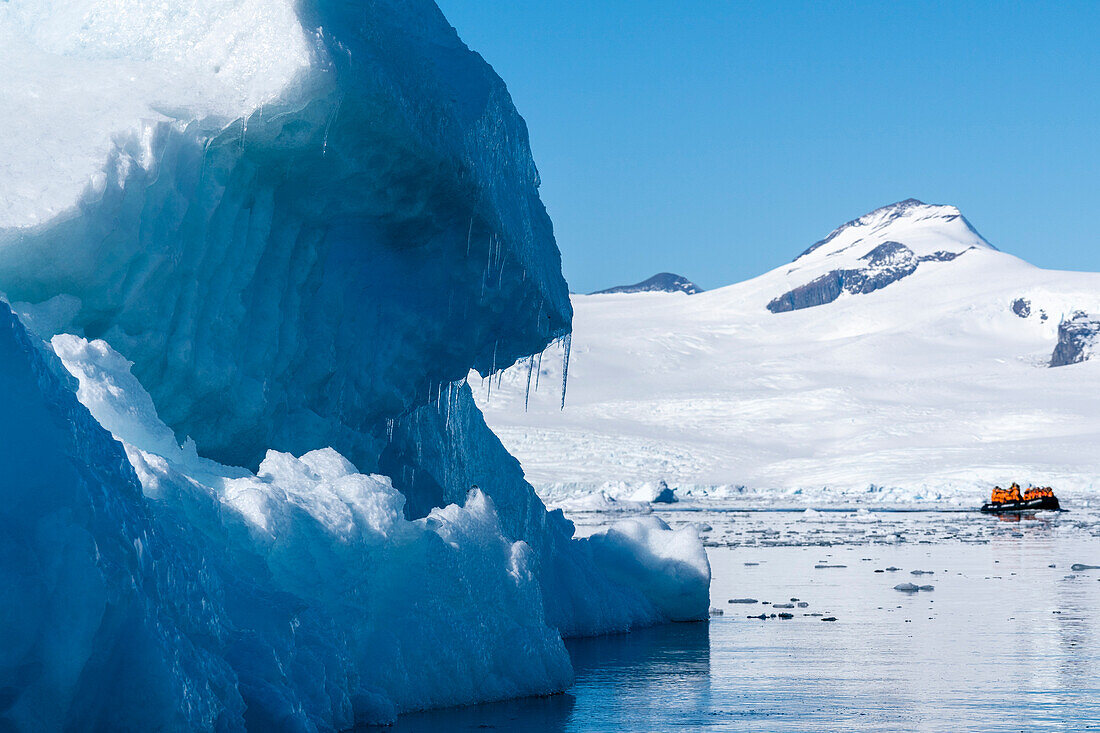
(877, 250)
(327, 259)
(269, 240)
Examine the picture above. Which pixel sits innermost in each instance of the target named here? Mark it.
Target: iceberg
(252, 248)
(298, 597)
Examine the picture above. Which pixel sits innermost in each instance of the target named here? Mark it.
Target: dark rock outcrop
(886, 264)
(1021, 307)
(1077, 336)
(662, 282)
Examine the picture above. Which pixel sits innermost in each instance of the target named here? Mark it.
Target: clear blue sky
(718, 139)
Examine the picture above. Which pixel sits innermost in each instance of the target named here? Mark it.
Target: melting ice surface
(1008, 640)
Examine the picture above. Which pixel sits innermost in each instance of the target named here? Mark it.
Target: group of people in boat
(1012, 493)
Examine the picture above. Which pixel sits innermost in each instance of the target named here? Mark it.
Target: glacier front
(252, 248)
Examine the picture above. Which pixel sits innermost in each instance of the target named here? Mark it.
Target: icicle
(205, 149)
(447, 414)
(568, 342)
(389, 428)
(469, 236)
(538, 372)
(328, 125)
(527, 394)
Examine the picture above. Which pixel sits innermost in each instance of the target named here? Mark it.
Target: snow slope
(928, 387)
(270, 239)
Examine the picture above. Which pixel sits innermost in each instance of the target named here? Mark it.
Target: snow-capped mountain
(662, 282)
(902, 357)
(877, 250)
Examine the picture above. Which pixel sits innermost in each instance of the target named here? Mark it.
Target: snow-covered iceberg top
(80, 73)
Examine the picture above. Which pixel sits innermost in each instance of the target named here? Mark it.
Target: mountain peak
(662, 282)
(908, 211)
(874, 251)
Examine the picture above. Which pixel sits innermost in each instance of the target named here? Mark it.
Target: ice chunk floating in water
(264, 263)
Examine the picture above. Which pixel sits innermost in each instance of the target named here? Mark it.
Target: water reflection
(616, 676)
(535, 714)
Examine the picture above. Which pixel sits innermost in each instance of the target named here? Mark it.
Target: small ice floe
(912, 588)
(810, 515)
(803, 604)
(829, 618)
(786, 615)
(752, 563)
(921, 572)
(717, 612)
(782, 605)
(823, 567)
(1078, 567)
(892, 569)
(743, 600)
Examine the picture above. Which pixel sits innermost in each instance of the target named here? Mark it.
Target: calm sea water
(1008, 640)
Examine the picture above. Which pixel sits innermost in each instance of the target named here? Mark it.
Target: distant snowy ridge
(662, 282)
(927, 389)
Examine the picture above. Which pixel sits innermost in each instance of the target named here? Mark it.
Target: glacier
(252, 249)
(913, 372)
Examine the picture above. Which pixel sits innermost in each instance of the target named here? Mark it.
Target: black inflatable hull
(1046, 503)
